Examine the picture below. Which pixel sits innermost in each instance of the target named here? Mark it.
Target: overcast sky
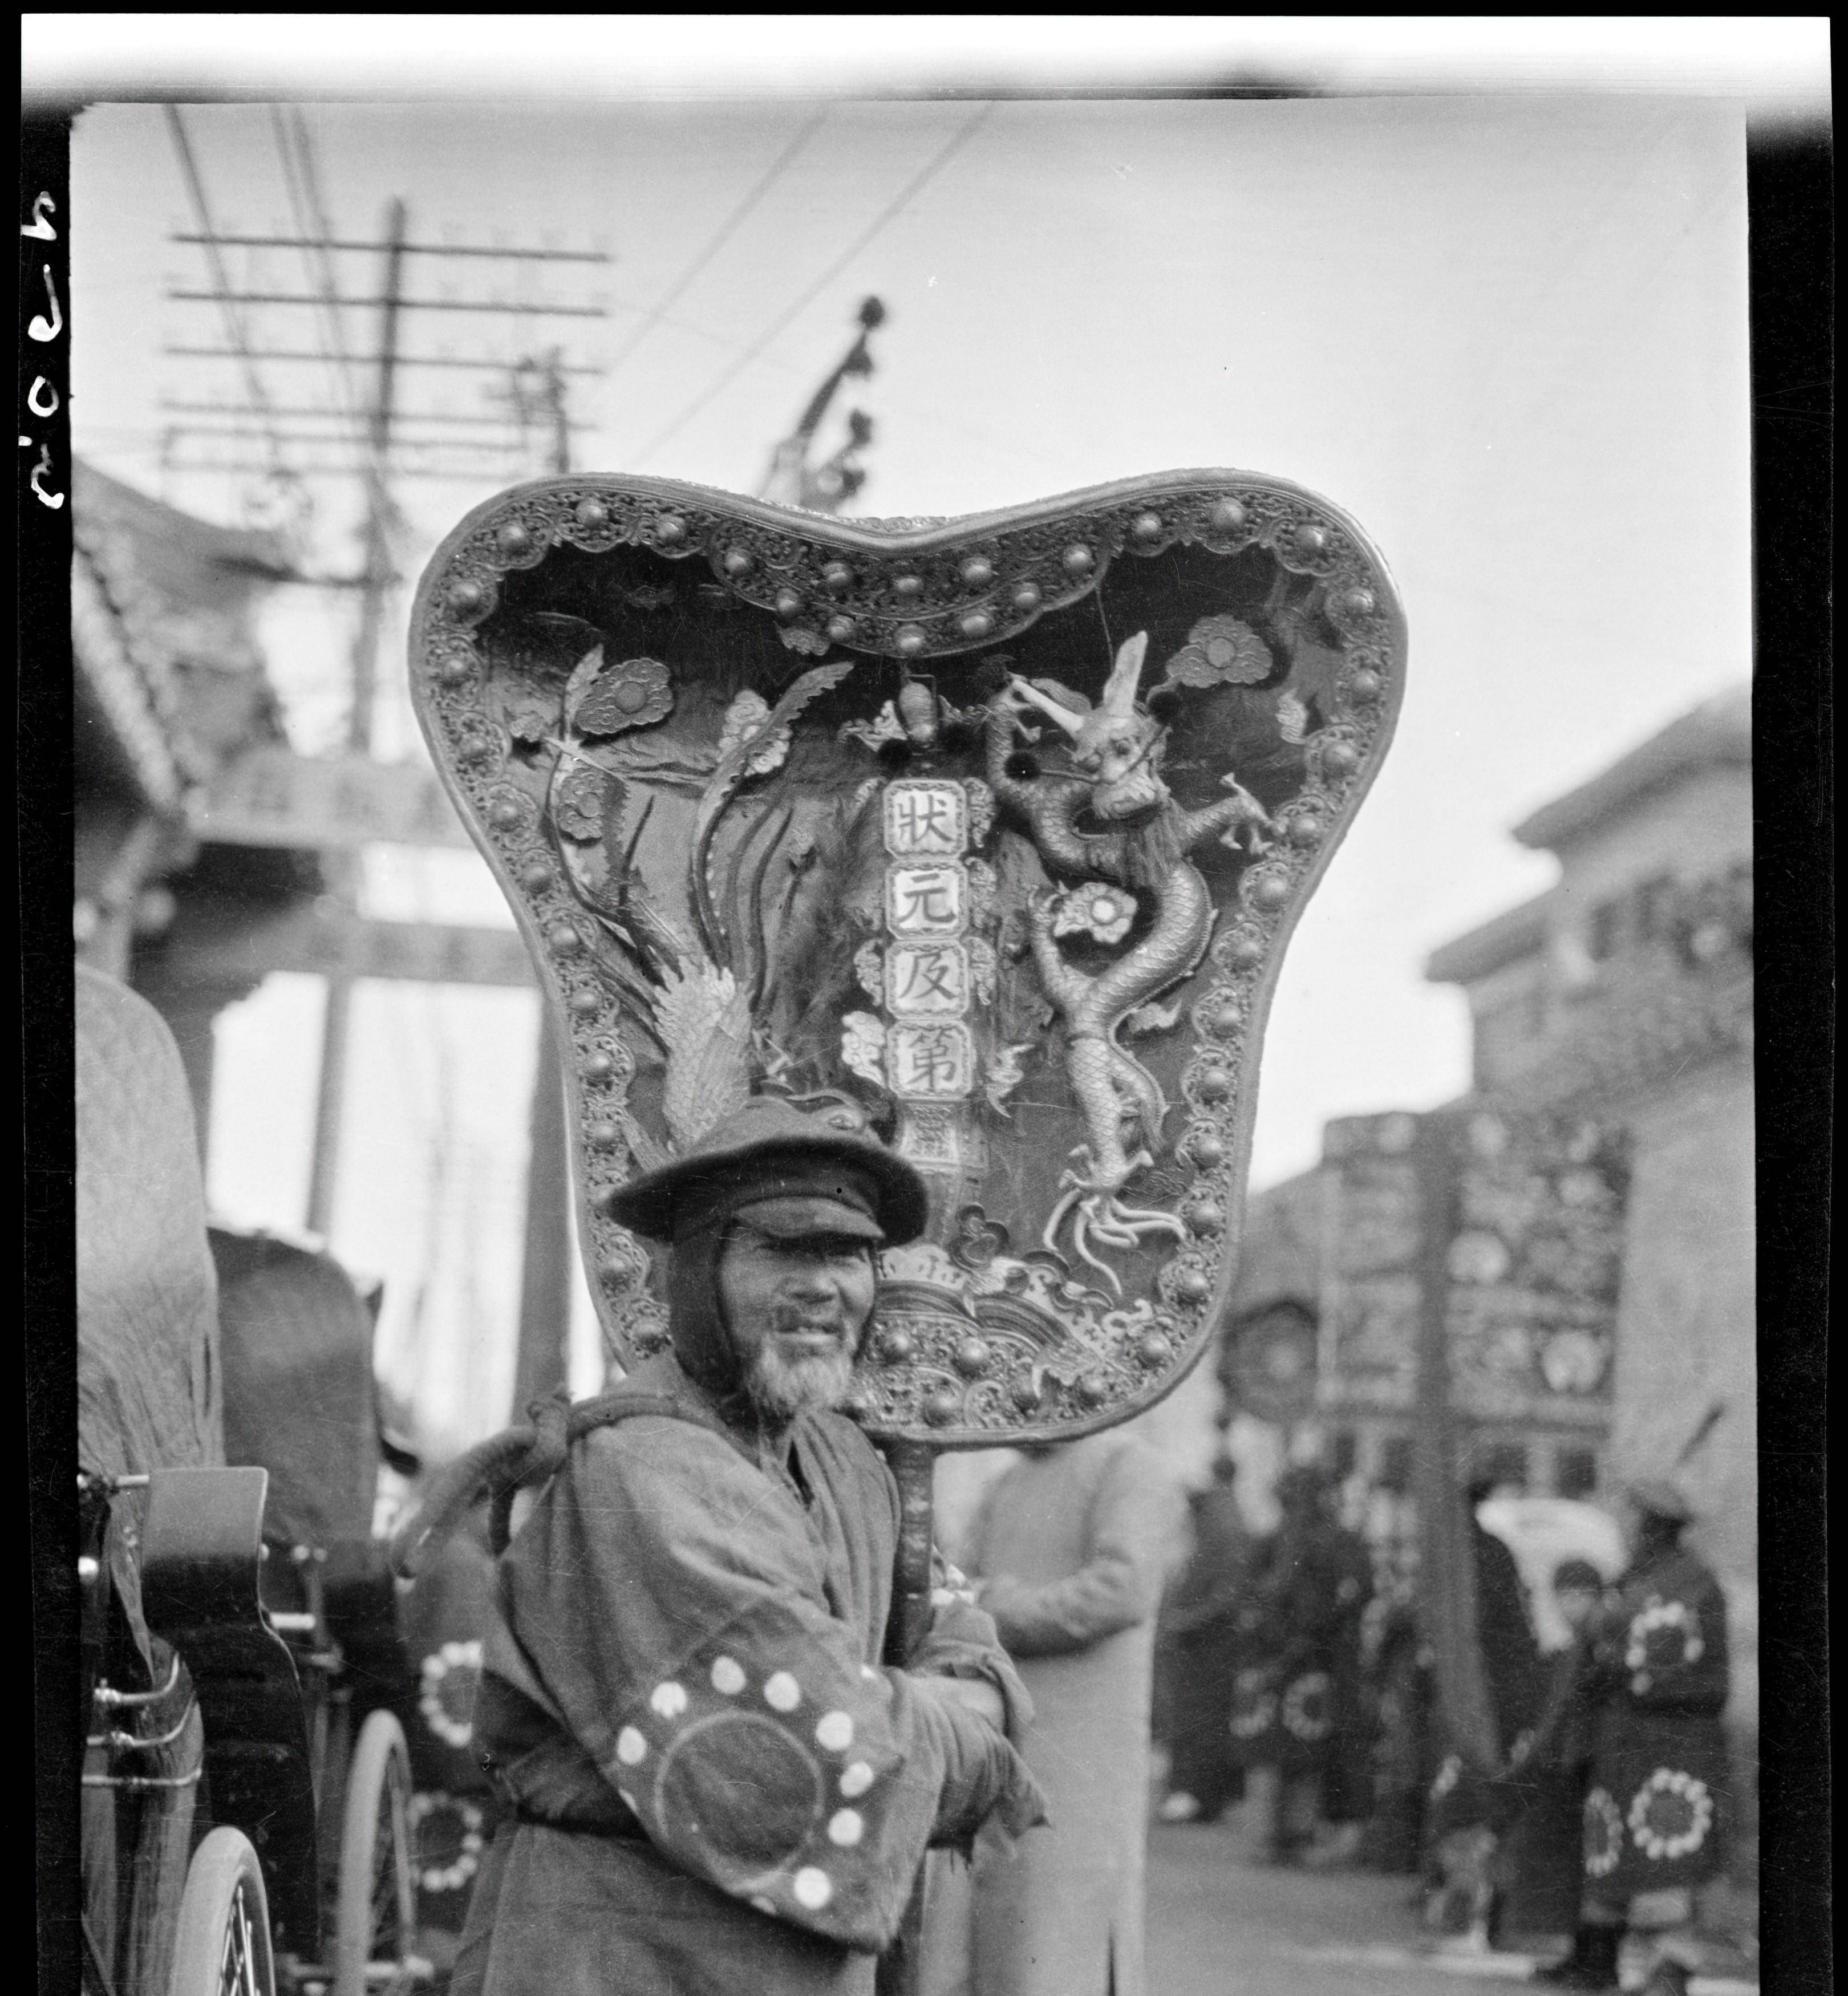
(1507, 334)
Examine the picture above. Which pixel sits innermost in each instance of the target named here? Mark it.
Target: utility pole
(790, 479)
(377, 577)
(370, 444)
(538, 389)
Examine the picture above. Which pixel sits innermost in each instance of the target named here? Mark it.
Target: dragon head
(1118, 745)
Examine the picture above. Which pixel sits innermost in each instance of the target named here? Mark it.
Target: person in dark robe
(1206, 1626)
(1542, 1803)
(1654, 1682)
(1512, 1668)
(1404, 1759)
(1348, 1794)
(1287, 1712)
(1467, 1814)
(717, 1785)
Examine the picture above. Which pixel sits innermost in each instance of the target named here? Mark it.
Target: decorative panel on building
(1372, 1291)
(1532, 1262)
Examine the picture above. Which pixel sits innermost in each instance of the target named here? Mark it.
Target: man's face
(796, 1309)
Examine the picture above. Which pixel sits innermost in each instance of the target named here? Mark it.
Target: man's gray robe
(720, 1791)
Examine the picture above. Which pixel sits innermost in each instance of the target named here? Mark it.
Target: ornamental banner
(995, 827)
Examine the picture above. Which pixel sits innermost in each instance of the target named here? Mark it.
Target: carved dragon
(1117, 748)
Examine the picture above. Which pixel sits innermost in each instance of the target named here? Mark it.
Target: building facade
(1611, 1024)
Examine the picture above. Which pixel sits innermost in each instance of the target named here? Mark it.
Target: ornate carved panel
(997, 825)
(1534, 1265)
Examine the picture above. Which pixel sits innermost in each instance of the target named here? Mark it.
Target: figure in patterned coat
(1291, 1709)
(1073, 1546)
(716, 1784)
(1207, 1627)
(1655, 1682)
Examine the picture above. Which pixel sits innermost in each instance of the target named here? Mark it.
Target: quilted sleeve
(673, 1607)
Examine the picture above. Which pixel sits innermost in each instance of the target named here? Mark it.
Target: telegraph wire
(912, 187)
(292, 146)
(726, 230)
(238, 332)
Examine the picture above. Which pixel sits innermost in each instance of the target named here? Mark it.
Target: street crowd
(711, 1774)
(1292, 1665)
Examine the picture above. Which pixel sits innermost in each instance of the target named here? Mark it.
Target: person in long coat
(716, 1783)
(1469, 1810)
(1656, 1681)
(1540, 1801)
(1205, 1627)
(1071, 1548)
(1512, 1668)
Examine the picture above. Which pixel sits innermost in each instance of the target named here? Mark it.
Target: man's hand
(975, 1694)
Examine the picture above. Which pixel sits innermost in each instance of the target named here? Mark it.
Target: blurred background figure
(1468, 1875)
(1071, 1549)
(1293, 1704)
(1208, 1619)
(1403, 1759)
(1511, 1661)
(1653, 1682)
(1541, 1818)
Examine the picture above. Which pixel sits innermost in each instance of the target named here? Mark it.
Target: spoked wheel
(222, 1947)
(375, 1920)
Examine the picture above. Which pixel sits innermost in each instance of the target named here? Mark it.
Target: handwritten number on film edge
(44, 330)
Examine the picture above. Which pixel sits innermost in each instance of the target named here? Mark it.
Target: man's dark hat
(817, 1171)
(1658, 1497)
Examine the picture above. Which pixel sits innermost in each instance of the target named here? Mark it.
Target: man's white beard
(783, 1388)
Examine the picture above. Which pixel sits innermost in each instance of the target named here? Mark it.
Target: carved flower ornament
(748, 720)
(1220, 651)
(1095, 909)
(636, 693)
(863, 1046)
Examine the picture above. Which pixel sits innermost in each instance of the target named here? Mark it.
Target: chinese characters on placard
(930, 1053)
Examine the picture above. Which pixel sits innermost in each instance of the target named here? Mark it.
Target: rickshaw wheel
(375, 1919)
(222, 1945)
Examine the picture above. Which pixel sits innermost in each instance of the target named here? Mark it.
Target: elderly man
(715, 1785)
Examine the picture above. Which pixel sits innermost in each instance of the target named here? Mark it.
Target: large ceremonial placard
(992, 830)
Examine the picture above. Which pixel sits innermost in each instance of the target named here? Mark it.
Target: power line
(323, 437)
(323, 240)
(401, 304)
(912, 188)
(335, 415)
(296, 172)
(726, 230)
(402, 360)
(238, 330)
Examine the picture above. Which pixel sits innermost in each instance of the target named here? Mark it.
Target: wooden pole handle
(913, 1465)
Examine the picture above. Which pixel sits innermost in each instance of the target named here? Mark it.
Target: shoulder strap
(529, 1453)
